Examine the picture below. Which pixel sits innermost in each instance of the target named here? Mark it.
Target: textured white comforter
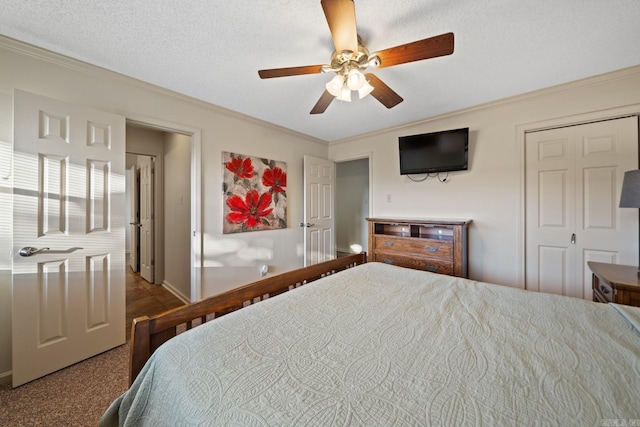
(378, 345)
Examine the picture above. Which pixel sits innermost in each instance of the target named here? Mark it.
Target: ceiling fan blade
(416, 51)
(291, 71)
(322, 103)
(341, 17)
(382, 92)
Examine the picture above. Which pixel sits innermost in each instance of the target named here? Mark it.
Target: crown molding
(582, 83)
(96, 71)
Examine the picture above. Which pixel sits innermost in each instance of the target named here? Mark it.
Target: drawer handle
(603, 289)
(388, 261)
(388, 243)
(432, 249)
(431, 268)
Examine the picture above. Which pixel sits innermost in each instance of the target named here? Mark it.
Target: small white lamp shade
(334, 86)
(355, 79)
(365, 90)
(630, 195)
(345, 94)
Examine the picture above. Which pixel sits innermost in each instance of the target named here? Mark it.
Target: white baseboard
(168, 286)
(6, 377)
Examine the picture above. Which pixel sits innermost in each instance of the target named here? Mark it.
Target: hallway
(144, 298)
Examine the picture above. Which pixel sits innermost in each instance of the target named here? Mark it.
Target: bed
(383, 345)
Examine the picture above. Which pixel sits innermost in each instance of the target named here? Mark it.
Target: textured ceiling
(212, 50)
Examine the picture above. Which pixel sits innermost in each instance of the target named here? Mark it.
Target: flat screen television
(442, 151)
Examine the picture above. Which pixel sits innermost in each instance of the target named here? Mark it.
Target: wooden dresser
(435, 245)
(615, 283)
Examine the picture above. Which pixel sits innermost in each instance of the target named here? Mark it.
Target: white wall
(177, 213)
(230, 259)
(490, 192)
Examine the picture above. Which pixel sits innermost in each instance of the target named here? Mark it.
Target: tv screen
(434, 152)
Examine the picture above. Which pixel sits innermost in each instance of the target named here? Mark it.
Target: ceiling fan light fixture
(345, 94)
(335, 85)
(355, 79)
(351, 59)
(365, 89)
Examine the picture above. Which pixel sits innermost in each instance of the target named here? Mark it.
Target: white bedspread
(378, 345)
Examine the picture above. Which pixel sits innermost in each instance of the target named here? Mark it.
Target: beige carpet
(75, 396)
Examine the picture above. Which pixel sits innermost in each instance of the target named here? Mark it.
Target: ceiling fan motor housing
(346, 60)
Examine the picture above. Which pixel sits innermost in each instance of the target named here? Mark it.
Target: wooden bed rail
(148, 333)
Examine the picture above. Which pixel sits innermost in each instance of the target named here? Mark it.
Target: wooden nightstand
(615, 283)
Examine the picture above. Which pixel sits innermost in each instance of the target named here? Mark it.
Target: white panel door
(146, 218)
(319, 216)
(69, 294)
(574, 178)
(551, 209)
(134, 215)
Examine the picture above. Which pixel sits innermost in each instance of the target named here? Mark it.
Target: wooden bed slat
(149, 333)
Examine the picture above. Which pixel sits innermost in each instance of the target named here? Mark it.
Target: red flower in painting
(242, 168)
(276, 179)
(250, 210)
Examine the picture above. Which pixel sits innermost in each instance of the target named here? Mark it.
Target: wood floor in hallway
(146, 299)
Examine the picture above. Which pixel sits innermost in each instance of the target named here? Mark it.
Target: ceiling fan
(351, 58)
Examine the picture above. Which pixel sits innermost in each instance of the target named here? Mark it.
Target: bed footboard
(148, 333)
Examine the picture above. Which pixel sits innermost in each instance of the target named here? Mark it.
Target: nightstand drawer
(442, 249)
(431, 265)
(615, 283)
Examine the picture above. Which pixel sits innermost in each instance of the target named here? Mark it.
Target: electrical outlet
(388, 198)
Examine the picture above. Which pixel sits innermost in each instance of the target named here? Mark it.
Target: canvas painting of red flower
(254, 193)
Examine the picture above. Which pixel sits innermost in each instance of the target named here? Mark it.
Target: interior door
(574, 178)
(146, 218)
(68, 256)
(319, 211)
(134, 215)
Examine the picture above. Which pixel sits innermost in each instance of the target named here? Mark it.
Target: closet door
(573, 182)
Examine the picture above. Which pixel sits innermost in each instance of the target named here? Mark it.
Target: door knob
(308, 225)
(30, 250)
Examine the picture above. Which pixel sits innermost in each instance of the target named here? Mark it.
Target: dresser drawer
(603, 292)
(442, 249)
(432, 265)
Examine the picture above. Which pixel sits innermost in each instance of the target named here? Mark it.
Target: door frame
(196, 192)
(521, 131)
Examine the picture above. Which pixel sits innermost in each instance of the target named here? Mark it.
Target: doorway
(140, 198)
(352, 205)
(170, 224)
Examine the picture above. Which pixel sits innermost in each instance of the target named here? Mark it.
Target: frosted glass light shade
(365, 90)
(345, 94)
(334, 87)
(355, 79)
